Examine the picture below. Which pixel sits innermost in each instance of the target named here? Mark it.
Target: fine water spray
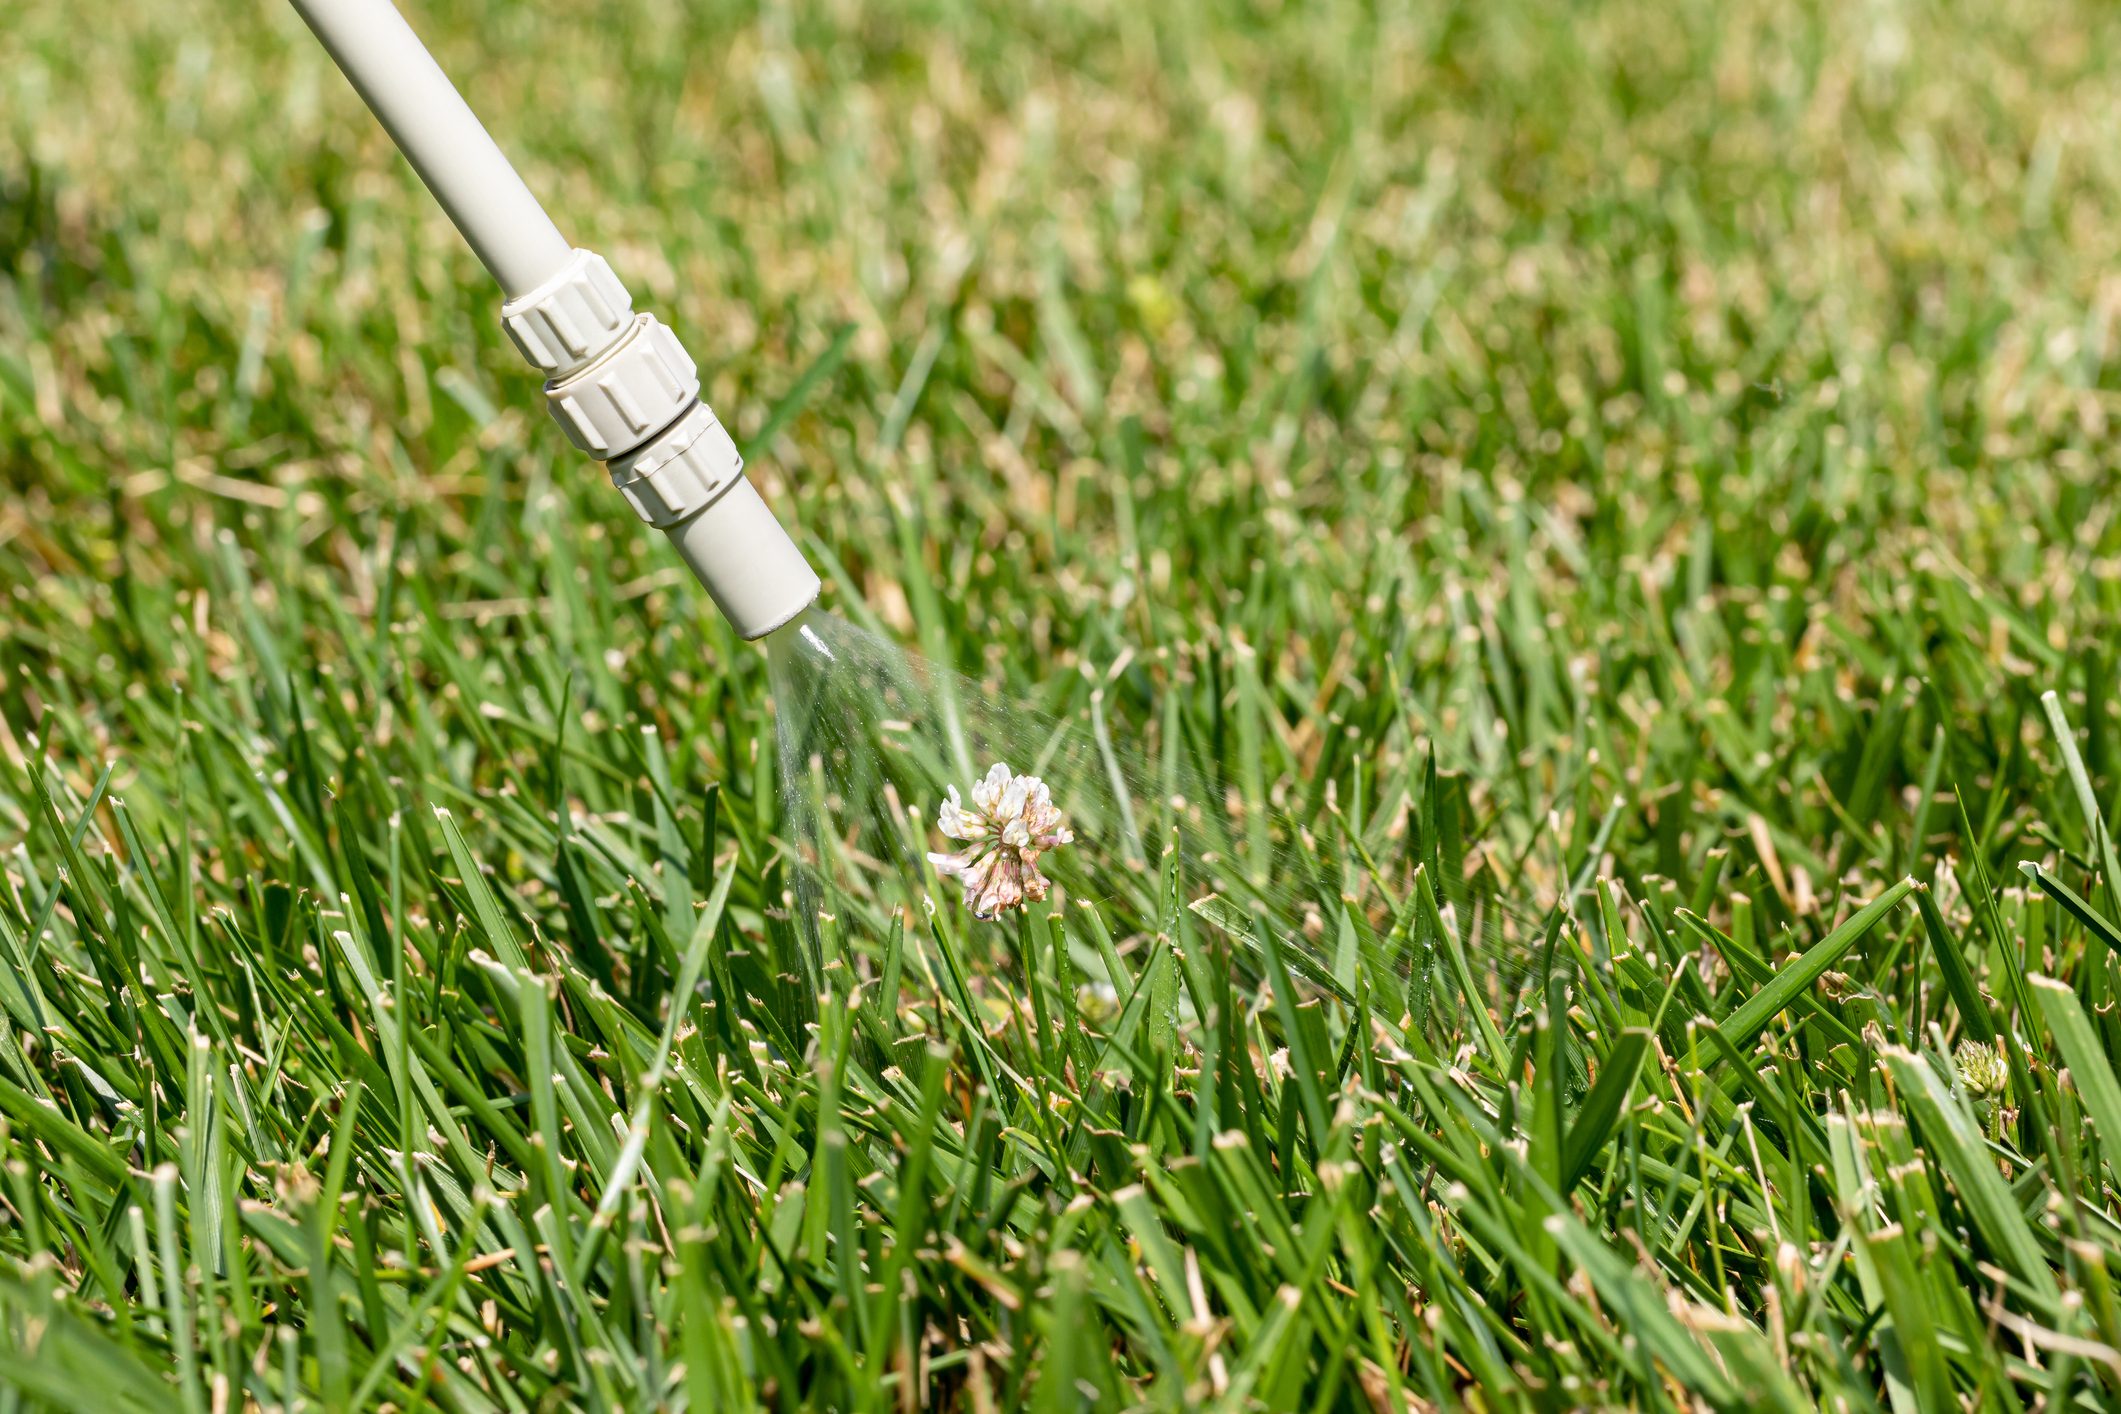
(618, 382)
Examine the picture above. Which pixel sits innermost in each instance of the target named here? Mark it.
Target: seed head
(1981, 1068)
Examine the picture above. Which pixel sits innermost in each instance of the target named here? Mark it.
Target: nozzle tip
(747, 561)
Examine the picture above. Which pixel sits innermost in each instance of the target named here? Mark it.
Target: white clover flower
(1011, 821)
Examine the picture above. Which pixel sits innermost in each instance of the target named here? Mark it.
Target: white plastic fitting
(563, 323)
(619, 383)
(681, 472)
(628, 392)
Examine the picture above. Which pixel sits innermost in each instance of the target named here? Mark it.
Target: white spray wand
(619, 383)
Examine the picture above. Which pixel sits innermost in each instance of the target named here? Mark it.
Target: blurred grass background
(1335, 305)
(1694, 422)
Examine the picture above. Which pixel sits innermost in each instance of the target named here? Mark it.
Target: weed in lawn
(1696, 422)
(874, 738)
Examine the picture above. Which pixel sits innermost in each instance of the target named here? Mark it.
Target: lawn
(1619, 501)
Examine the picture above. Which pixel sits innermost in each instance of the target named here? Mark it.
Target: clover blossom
(1011, 821)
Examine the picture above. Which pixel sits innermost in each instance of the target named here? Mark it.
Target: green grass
(1693, 427)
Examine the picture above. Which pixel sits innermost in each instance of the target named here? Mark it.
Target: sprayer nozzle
(688, 482)
(758, 578)
(619, 383)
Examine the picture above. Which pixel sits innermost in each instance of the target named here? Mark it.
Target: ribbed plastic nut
(571, 318)
(680, 472)
(632, 392)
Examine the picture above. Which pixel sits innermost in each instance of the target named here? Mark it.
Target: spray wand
(619, 383)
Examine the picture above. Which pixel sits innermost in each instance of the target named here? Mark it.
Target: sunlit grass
(1623, 482)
